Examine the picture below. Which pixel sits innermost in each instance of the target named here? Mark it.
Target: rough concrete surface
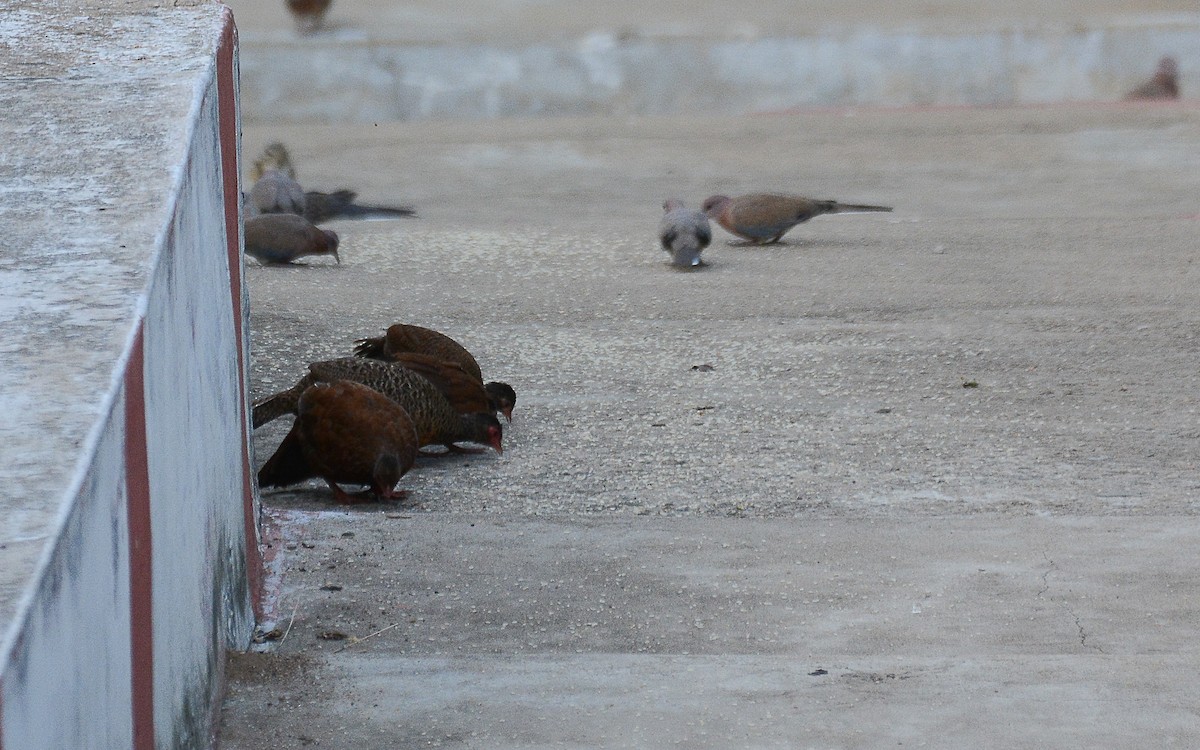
(926, 478)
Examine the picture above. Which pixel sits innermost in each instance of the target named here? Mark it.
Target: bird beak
(337, 257)
(507, 412)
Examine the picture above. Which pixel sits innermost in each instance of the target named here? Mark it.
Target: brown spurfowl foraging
(463, 390)
(345, 433)
(403, 338)
(436, 421)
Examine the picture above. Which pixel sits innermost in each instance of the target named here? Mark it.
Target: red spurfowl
(345, 433)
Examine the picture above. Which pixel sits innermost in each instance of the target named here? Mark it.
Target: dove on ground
(684, 233)
(274, 155)
(345, 433)
(339, 204)
(763, 218)
(281, 193)
(277, 193)
(282, 238)
(1163, 85)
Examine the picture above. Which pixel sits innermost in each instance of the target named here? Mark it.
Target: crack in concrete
(1083, 634)
(1046, 575)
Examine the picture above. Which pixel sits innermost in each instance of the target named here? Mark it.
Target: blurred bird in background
(277, 191)
(1164, 84)
(309, 14)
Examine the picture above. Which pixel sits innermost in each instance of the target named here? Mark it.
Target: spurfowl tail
(371, 348)
(287, 466)
(284, 402)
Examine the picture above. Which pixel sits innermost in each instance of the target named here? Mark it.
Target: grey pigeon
(282, 238)
(684, 233)
(277, 193)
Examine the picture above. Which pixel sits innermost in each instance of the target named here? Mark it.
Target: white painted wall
(194, 428)
(75, 639)
(71, 665)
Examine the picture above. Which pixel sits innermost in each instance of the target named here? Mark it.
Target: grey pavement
(924, 479)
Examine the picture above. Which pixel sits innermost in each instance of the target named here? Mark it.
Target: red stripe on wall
(227, 111)
(141, 604)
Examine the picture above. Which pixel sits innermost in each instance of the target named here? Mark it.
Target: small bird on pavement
(436, 421)
(345, 433)
(277, 193)
(309, 14)
(282, 238)
(282, 193)
(274, 156)
(684, 233)
(763, 218)
(402, 337)
(339, 204)
(1163, 85)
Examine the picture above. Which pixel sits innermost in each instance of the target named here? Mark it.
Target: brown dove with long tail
(345, 433)
(340, 204)
(763, 218)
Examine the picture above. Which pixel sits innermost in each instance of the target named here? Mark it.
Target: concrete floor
(938, 489)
